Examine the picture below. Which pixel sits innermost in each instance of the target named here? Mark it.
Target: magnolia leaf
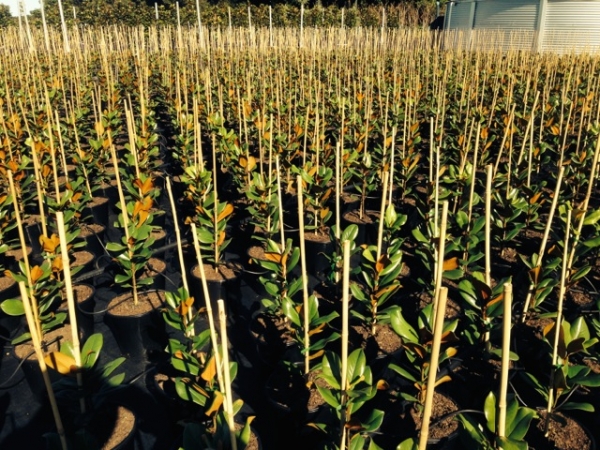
(215, 405)
(451, 264)
(36, 273)
(60, 362)
(227, 211)
(210, 370)
(49, 245)
(13, 307)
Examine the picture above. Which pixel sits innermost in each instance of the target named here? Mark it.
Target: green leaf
(91, 350)
(357, 442)
(374, 421)
(331, 369)
(350, 233)
(408, 444)
(509, 444)
(518, 426)
(489, 409)
(587, 407)
(13, 307)
(115, 247)
(403, 372)
(328, 396)
(402, 327)
(289, 309)
(592, 218)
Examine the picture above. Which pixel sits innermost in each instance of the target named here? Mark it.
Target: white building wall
(565, 25)
(572, 26)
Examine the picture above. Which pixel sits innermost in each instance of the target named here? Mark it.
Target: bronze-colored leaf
(227, 211)
(63, 364)
(451, 264)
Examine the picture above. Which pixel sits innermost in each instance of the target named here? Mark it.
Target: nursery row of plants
(420, 227)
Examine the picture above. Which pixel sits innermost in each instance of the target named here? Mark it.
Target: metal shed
(540, 25)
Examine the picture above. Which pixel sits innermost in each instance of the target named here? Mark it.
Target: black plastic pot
(226, 289)
(97, 211)
(85, 313)
(317, 263)
(139, 336)
(94, 240)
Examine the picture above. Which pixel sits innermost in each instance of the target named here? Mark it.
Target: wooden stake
(439, 264)
(208, 304)
(540, 258)
(34, 305)
(559, 316)
(506, 325)
(344, 337)
(62, 235)
(36, 340)
(433, 366)
(304, 277)
(488, 222)
(227, 392)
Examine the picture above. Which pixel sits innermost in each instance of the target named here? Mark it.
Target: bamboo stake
(40, 190)
(392, 151)
(304, 277)
(228, 392)
(344, 337)
(506, 325)
(209, 310)
(439, 263)
(13, 193)
(36, 341)
(540, 258)
(488, 222)
(559, 316)
(179, 248)
(584, 206)
(433, 366)
(382, 215)
(62, 235)
(280, 204)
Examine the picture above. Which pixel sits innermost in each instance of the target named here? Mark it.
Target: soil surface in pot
(90, 229)
(315, 399)
(442, 405)
(81, 293)
(322, 238)
(6, 282)
(82, 258)
(221, 273)
(386, 339)
(565, 433)
(354, 217)
(59, 335)
(122, 305)
(266, 329)
(112, 431)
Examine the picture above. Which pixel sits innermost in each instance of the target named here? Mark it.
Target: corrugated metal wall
(566, 25)
(571, 25)
(460, 17)
(514, 20)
